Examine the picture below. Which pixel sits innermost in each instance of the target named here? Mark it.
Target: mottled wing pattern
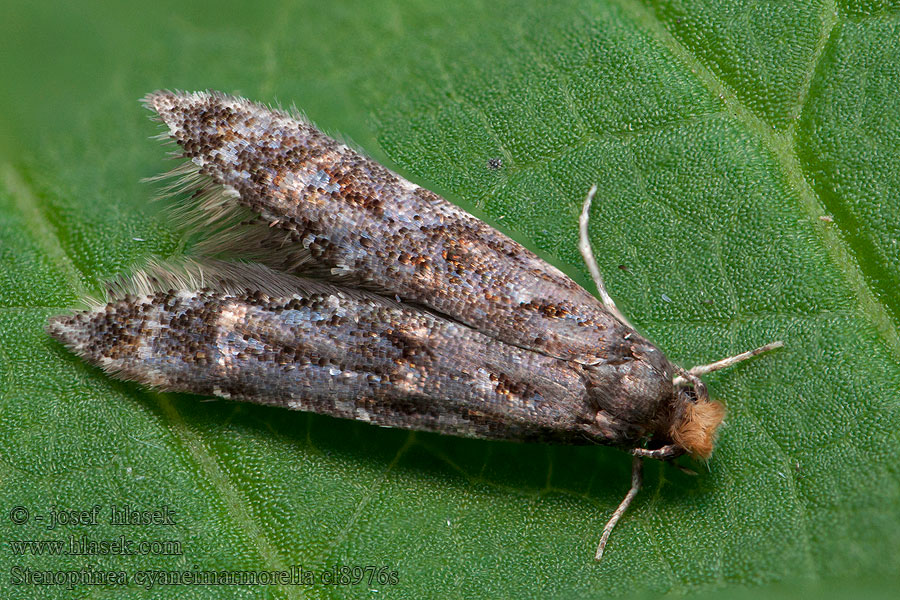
(319, 348)
(322, 208)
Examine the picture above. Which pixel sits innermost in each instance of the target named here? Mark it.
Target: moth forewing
(322, 348)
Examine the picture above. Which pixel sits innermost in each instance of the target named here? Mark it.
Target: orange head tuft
(695, 430)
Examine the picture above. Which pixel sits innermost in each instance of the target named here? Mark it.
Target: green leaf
(746, 154)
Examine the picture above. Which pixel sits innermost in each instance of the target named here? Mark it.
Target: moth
(359, 294)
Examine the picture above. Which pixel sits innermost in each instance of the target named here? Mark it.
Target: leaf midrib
(45, 234)
(783, 148)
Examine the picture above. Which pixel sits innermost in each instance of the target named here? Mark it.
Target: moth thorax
(695, 425)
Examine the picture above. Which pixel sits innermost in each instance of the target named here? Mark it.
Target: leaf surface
(746, 155)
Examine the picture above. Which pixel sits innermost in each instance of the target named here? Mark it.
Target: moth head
(642, 398)
(695, 422)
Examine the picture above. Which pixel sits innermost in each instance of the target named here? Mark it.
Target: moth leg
(637, 478)
(685, 377)
(587, 253)
(692, 375)
(667, 452)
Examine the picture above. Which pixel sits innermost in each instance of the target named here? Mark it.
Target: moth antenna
(733, 360)
(637, 479)
(695, 372)
(587, 253)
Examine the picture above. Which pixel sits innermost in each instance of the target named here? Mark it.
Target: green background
(720, 135)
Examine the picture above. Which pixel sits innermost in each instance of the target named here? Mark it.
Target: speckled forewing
(332, 212)
(346, 354)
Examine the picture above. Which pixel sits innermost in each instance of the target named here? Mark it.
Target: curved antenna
(587, 253)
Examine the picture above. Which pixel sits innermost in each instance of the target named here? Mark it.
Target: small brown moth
(371, 298)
